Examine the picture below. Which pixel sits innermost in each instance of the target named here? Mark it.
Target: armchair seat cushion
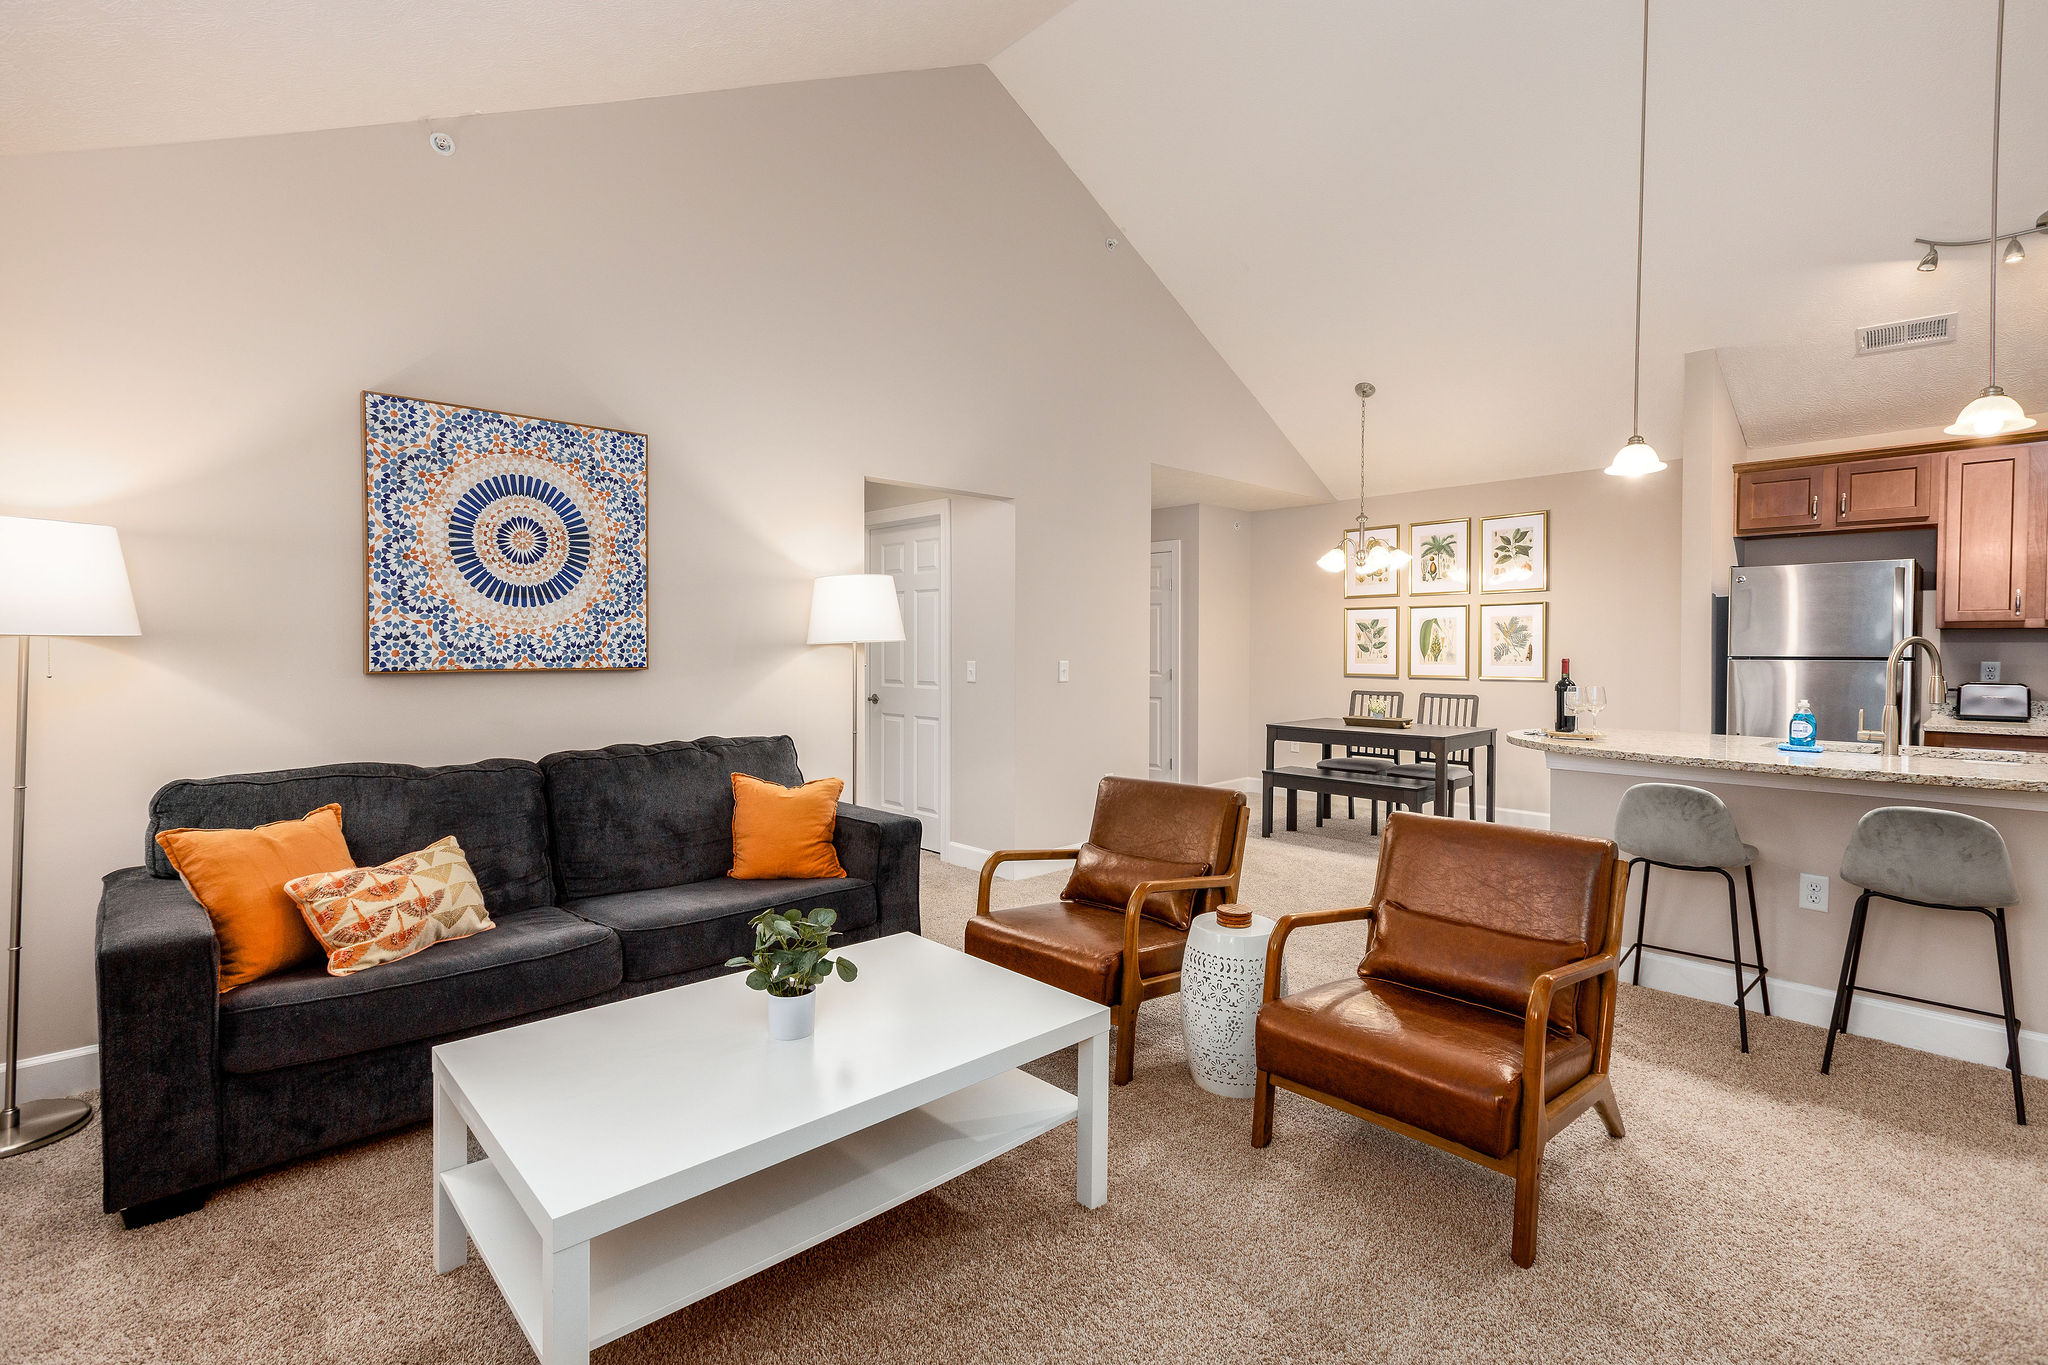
(1073, 945)
(1435, 1063)
(534, 960)
(687, 928)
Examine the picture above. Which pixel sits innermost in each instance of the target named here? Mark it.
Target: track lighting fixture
(1930, 260)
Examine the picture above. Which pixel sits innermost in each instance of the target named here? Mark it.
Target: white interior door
(905, 697)
(1163, 764)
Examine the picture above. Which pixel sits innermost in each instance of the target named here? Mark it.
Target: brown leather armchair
(1481, 1020)
(1157, 855)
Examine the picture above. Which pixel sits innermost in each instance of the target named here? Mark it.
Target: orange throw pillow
(239, 876)
(780, 831)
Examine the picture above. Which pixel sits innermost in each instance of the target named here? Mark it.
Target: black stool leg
(1838, 1022)
(1735, 937)
(1375, 807)
(1350, 808)
(1642, 915)
(1763, 975)
(2012, 1022)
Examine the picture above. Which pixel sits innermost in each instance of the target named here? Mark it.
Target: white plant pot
(792, 1016)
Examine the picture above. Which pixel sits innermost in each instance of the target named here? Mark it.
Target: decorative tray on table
(1381, 722)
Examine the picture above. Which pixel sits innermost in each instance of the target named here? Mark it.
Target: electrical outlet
(970, 670)
(1987, 671)
(1063, 670)
(1813, 892)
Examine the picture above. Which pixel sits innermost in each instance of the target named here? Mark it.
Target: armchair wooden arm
(1287, 924)
(1017, 855)
(1134, 910)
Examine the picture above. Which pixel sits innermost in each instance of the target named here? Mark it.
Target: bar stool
(1685, 829)
(1943, 860)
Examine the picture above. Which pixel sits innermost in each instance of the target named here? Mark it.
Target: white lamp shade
(855, 609)
(1634, 460)
(63, 578)
(1994, 414)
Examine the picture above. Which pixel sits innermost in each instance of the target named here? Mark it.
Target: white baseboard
(1506, 815)
(1894, 1021)
(972, 858)
(55, 1074)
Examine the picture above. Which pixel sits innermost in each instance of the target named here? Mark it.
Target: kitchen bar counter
(1917, 765)
(1799, 811)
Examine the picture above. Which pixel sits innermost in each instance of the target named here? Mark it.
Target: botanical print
(496, 542)
(1514, 553)
(1513, 643)
(1370, 640)
(1442, 553)
(1436, 642)
(1361, 584)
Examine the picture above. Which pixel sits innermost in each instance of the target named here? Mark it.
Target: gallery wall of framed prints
(1431, 639)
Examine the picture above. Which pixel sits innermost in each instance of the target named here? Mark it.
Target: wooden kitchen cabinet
(1988, 542)
(1902, 490)
(1801, 498)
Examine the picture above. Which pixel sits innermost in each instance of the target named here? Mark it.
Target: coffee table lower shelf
(646, 1270)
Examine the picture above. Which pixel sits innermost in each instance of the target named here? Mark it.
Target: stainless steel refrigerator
(1819, 633)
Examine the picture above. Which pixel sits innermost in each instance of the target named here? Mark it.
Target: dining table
(1437, 742)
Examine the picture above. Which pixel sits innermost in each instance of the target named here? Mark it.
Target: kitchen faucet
(1894, 725)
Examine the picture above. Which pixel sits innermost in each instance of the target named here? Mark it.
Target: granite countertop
(1916, 765)
(1955, 725)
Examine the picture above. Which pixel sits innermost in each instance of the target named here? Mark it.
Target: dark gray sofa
(603, 869)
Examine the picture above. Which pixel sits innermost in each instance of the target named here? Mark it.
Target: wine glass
(1591, 701)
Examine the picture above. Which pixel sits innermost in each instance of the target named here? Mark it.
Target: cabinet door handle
(2015, 601)
(1816, 507)
(1842, 508)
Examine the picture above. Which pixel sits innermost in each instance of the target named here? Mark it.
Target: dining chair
(1366, 758)
(1454, 709)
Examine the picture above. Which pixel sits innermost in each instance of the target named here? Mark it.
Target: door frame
(875, 520)
(1180, 767)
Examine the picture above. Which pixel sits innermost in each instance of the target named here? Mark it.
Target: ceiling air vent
(1901, 336)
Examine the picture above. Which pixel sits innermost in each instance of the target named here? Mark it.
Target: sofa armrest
(881, 847)
(158, 970)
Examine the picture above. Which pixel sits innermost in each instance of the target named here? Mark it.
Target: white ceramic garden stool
(1222, 981)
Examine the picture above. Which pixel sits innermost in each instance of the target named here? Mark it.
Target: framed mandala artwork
(498, 543)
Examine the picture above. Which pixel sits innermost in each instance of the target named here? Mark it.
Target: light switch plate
(1063, 670)
(1813, 892)
(970, 670)
(1987, 671)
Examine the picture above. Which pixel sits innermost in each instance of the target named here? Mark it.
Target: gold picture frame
(1495, 665)
(1358, 620)
(1519, 572)
(1446, 653)
(1441, 557)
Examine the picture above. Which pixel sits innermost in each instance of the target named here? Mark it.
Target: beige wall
(786, 288)
(1226, 643)
(1614, 555)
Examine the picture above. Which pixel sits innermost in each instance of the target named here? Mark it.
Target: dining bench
(1409, 793)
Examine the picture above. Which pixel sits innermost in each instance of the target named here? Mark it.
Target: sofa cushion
(633, 817)
(497, 809)
(534, 960)
(240, 876)
(671, 929)
(1439, 1064)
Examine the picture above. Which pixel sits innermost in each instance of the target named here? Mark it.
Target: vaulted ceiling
(1437, 197)
(1441, 198)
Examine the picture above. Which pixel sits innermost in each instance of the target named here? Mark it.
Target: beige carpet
(1756, 1211)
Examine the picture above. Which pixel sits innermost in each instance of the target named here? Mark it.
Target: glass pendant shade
(1992, 414)
(1332, 560)
(1634, 460)
(2014, 252)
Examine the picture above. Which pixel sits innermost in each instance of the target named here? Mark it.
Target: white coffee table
(644, 1154)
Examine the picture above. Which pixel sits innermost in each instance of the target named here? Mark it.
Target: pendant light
(1991, 413)
(1636, 458)
(1372, 554)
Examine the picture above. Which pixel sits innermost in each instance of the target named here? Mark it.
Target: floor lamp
(855, 609)
(56, 578)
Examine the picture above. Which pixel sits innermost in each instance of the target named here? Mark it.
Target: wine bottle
(1567, 697)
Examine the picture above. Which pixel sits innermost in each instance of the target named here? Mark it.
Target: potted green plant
(789, 964)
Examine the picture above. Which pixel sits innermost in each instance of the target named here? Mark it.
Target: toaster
(1994, 701)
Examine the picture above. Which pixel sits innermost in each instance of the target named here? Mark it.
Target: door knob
(874, 699)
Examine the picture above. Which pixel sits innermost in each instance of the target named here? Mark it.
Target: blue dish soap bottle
(1801, 738)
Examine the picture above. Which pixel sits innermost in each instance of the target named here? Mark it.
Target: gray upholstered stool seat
(1687, 829)
(1944, 860)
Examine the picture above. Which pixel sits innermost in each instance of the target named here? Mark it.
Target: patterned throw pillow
(367, 916)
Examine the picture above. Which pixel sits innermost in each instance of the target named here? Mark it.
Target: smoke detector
(1901, 336)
